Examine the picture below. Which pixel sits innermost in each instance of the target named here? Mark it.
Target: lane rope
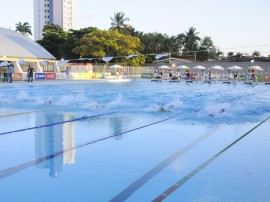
(182, 181)
(28, 112)
(56, 123)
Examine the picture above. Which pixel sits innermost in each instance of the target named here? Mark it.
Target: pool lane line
(28, 112)
(182, 181)
(133, 187)
(13, 170)
(56, 123)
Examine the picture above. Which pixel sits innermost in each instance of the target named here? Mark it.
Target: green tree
(119, 23)
(54, 39)
(230, 54)
(49, 28)
(206, 50)
(72, 41)
(133, 32)
(174, 44)
(101, 43)
(24, 28)
(153, 43)
(238, 55)
(207, 43)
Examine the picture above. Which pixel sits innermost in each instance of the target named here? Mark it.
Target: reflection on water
(57, 140)
(116, 125)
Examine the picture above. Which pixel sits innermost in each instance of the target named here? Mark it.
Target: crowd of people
(179, 75)
(160, 74)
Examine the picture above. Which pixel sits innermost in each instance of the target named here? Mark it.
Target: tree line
(121, 39)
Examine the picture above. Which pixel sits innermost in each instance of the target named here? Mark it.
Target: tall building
(59, 12)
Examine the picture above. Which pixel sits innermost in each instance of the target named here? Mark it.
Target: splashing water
(118, 102)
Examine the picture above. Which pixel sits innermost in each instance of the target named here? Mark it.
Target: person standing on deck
(30, 73)
(67, 73)
(5, 74)
(210, 74)
(10, 70)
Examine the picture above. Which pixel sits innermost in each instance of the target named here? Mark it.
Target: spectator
(10, 70)
(67, 73)
(5, 74)
(30, 73)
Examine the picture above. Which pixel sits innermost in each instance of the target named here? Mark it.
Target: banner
(60, 76)
(81, 68)
(76, 76)
(161, 56)
(83, 76)
(107, 59)
(50, 76)
(39, 76)
(17, 76)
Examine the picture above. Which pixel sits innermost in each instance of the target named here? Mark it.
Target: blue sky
(230, 23)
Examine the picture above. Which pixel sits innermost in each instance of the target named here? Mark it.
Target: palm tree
(23, 28)
(256, 54)
(191, 40)
(118, 22)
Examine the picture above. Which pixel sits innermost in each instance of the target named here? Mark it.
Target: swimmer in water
(48, 102)
(220, 111)
(161, 108)
(93, 107)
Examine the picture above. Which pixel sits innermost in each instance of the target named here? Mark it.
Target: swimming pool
(134, 141)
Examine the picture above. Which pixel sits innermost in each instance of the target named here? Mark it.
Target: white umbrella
(164, 67)
(217, 67)
(44, 63)
(3, 64)
(182, 67)
(199, 67)
(22, 61)
(62, 63)
(256, 68)
(116, 66)
(235, 68)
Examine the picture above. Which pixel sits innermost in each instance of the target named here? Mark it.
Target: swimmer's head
(161, 109)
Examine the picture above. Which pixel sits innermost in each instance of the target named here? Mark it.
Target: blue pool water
(134, 141)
